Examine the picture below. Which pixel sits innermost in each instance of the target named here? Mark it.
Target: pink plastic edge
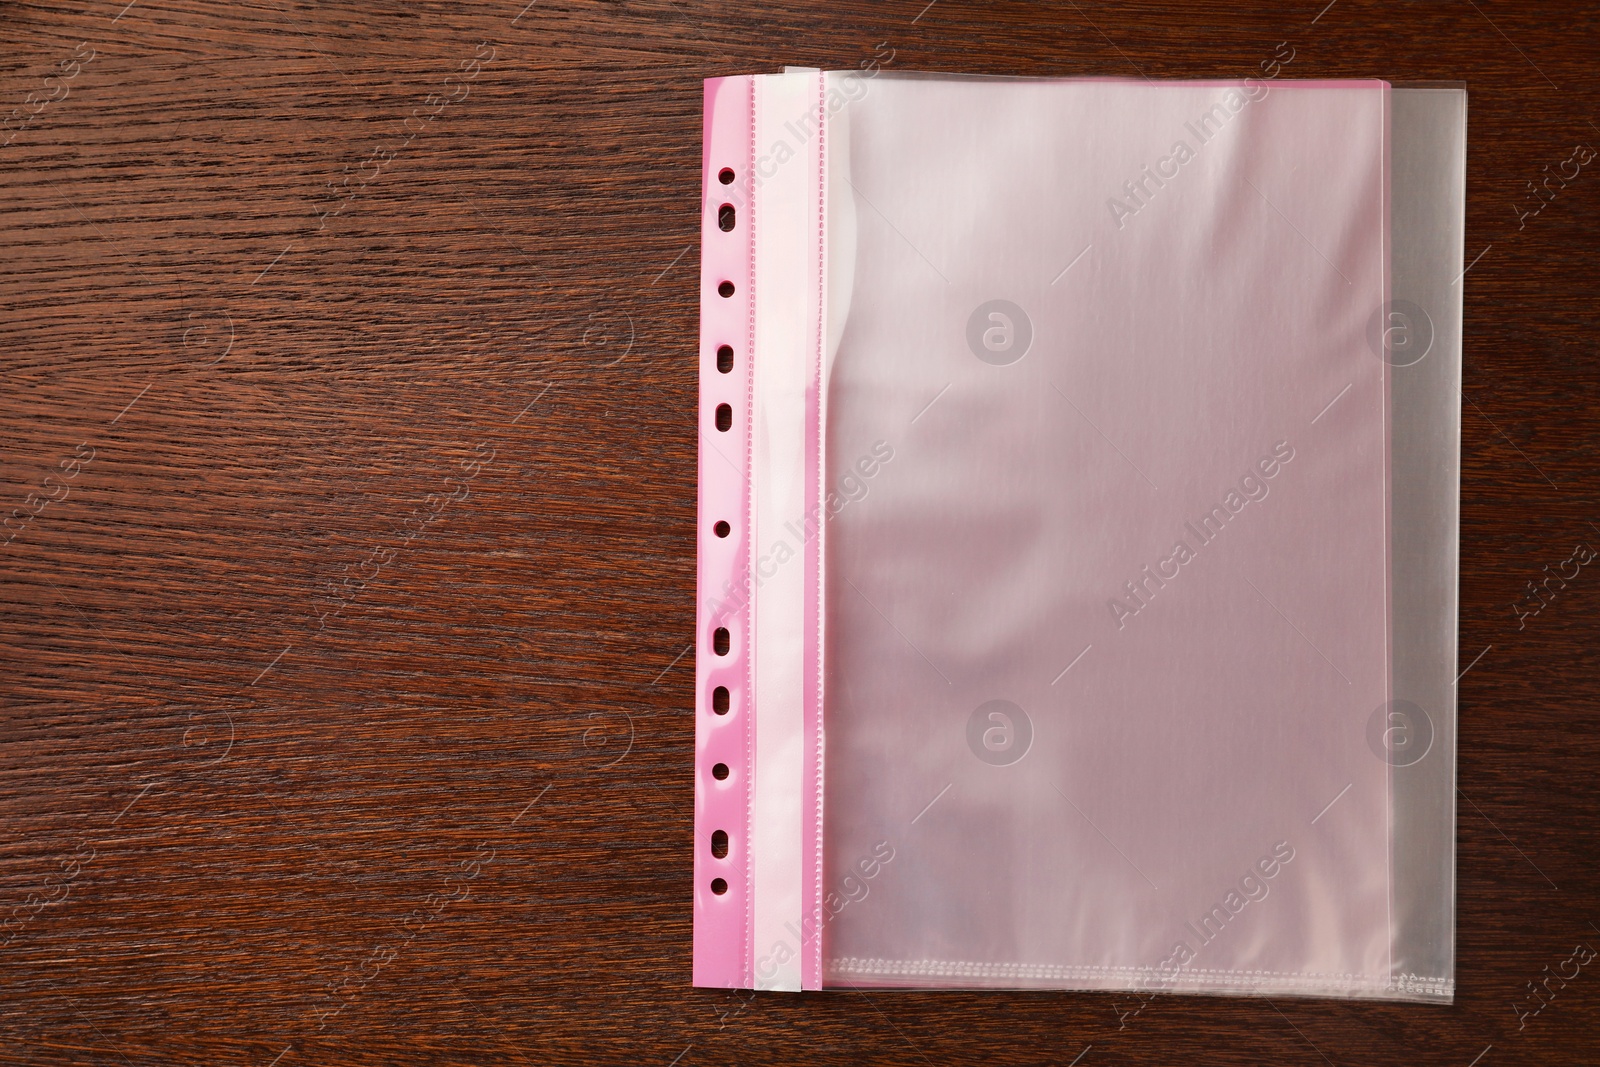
(722, 922)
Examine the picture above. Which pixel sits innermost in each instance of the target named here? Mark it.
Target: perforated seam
(822, 340)
(858, 967)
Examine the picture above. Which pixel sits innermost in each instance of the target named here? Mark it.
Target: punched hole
(721, 529)
(719, 886)
(719, 844)
(720, 772)
(725, 176)
(719, 700)
(726, 217)
(725, 358)
(724, 417)
(719, 641)
(726, 288)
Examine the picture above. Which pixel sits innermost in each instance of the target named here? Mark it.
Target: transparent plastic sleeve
(1079, 481)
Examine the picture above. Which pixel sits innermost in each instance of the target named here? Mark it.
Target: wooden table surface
(348, 358)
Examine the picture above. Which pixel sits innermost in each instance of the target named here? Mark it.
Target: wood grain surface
(347, 421)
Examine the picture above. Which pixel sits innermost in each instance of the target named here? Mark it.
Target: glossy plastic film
(1092, 556)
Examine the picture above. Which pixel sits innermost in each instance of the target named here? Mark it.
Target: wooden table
(345, 668)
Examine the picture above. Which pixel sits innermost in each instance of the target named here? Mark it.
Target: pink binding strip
(722, 921)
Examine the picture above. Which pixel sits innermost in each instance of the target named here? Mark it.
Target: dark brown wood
(345, 690)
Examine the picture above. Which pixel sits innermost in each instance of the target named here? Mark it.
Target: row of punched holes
(726, 217)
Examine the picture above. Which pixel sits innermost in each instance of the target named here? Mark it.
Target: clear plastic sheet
(1114, 425)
